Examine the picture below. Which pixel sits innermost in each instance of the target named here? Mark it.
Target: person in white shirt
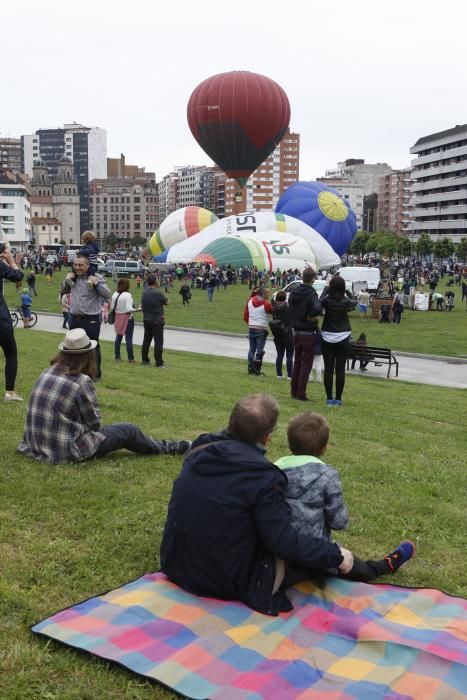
(123, 307)
(363, 299)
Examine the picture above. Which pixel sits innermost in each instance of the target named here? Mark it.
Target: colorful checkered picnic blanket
(343, 640)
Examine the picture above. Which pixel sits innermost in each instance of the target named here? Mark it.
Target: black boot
(257, 363)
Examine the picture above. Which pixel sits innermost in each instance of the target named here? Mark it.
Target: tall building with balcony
(124, 207)
(269, 181)
(440, 184)
(394, 201)
(167, 195)
(10, 154)
(85, 146)
(192, 185)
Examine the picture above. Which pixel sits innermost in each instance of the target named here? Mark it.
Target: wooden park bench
(371, 353)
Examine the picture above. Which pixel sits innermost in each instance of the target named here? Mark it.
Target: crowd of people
(297, 333)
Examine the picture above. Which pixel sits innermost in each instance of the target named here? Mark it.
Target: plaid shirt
(63, 420)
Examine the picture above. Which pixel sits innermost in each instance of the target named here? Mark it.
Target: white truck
(355, 277)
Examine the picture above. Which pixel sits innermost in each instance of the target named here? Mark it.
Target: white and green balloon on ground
(267, 240)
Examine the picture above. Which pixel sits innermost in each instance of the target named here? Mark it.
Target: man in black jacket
(228, 531)
(303, 308)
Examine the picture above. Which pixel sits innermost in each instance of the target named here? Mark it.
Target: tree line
(389, 244)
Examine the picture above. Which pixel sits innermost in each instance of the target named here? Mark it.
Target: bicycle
(18, 313)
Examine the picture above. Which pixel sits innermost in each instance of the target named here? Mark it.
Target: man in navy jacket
(228, 531)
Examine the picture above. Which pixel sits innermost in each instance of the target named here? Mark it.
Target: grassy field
(74, 531)
(433, 333)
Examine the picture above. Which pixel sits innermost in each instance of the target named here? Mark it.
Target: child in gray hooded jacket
(314, 494)
(314, 490)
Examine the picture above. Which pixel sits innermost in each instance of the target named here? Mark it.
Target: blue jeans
(210, 293)
(126, 436)
(257, 341)
(128, 340)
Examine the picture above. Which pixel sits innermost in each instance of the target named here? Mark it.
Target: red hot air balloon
(238, 118)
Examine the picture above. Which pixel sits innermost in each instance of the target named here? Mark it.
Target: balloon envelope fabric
(343, 640)
(323, 209)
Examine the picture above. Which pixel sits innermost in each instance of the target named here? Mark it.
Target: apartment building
(394, 201)
(10, 154)
(15, 210)
(85, 146)
(357, 171)
(123, 207)
(269, 181)
(440, 184)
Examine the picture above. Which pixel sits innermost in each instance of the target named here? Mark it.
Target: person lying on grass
(63, 422)
(314, 494)
(229, 531)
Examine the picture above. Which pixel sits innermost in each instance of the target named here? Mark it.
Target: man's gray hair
(253, 417)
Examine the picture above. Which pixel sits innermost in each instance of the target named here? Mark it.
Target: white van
(370, 276)
(123, 268)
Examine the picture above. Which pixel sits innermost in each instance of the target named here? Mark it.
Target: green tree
(424, 245)
(358, 245)
(461, 249)
(110, 242)
(443, 248)
(405, 246)
(386, 243)
(138, 240)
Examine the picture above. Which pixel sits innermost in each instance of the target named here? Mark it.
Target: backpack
(278, 327)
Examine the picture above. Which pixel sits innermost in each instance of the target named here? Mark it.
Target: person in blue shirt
(26, 306)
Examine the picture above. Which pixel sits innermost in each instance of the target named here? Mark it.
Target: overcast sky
(365, 79)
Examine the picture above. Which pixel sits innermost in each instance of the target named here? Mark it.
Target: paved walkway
(421, 369)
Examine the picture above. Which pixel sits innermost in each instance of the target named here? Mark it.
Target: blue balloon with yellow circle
(322, 208)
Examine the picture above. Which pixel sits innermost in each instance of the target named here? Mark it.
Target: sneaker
(178, 447)
(401, 555)
(330, 402)
(279, 376)
(143, 362)
(12, 396)
(132, 361)
(337, 402)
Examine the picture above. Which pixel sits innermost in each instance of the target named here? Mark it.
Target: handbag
(278, 327)
(111, 316)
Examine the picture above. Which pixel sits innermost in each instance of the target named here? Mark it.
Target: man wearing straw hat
(63, 422)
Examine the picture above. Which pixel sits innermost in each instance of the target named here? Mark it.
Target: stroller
(384, 313)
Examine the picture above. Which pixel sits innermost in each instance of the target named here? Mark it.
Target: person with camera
(10, 271)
